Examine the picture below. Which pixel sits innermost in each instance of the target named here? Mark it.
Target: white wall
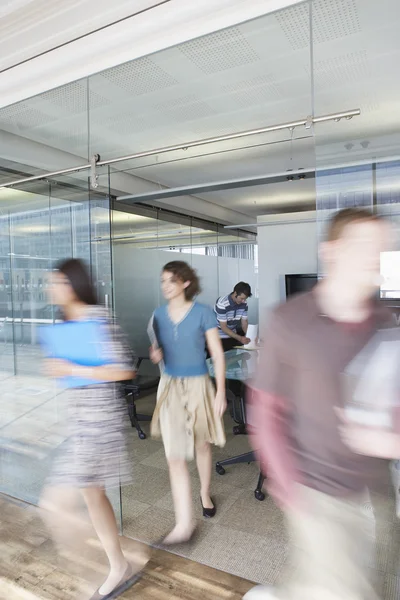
(287, 245)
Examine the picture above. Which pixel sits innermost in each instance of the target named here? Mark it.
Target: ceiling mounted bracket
(309, 122)
(94, 184)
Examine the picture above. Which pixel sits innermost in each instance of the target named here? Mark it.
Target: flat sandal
(128, 580)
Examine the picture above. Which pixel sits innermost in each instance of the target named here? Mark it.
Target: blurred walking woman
(189, 411)
(94, 455)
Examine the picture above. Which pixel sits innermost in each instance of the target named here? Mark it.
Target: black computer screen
(297, 284)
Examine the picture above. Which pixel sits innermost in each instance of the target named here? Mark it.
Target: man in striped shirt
(232, 316)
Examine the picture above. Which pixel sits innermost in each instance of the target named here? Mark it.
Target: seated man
(231, 311)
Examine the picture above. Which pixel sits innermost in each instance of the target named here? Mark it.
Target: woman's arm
(61, 368)
(120, 361)
(217, 354)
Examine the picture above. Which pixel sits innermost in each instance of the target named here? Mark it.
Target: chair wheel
(239, 430)
(220, 470)
(259, 495)
(142, 435)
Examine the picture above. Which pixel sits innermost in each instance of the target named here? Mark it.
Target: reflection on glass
(42, 223)
(6, 310)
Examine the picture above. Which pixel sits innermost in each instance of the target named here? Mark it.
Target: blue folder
(82, 343)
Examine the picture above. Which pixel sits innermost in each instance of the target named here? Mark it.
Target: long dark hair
(78, 276)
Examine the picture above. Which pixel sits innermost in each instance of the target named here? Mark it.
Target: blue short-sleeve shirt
(184, 343)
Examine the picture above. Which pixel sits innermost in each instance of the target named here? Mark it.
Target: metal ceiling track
(96, 161)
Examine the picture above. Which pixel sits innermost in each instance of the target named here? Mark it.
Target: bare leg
(103, 519)
(204, 467)
(182, 497)
(59, 510)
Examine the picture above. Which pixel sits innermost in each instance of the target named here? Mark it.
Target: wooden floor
(31, 569)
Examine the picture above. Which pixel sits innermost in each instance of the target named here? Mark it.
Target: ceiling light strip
(307, 122)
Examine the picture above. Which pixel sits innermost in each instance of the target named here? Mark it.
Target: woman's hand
(156, 355)
(220, 403)
(58, 368)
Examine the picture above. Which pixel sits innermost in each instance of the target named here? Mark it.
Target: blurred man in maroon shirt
(320, 483)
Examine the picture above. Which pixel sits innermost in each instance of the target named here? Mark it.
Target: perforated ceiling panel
(295, 24)
(73, 98)
(334, 19)
(21, 117)
(370, 107)
(187, 108)
(212, 128)
(126, 124)
(331, 20)
(72, 135)
(250, 92)
(220, 51)
(139, 77)
(350, 67)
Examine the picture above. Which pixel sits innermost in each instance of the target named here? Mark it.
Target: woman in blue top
(189, 410)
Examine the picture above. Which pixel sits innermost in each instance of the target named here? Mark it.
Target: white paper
(252, 333)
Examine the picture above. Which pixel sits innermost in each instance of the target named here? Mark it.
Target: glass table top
(241, 364)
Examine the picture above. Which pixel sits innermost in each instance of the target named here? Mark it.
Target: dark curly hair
(184, 272)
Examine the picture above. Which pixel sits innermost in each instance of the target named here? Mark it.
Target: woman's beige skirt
(185, 416)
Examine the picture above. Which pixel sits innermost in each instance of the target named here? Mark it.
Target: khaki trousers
(332, 547)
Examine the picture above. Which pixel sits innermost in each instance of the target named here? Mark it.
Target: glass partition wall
(41, 224)
(145, 239)
(314, 58)
(227, 82)
(357, 161)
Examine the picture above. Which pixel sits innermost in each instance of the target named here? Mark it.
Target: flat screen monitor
(298, 284)
(390, 275)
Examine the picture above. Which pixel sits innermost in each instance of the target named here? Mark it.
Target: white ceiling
(254, 74)
(67, 41)
(46, 24)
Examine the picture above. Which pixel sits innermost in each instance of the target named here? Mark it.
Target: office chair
(238, 413)
(133, 389)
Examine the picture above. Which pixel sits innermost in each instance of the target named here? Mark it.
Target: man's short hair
(243, 288)
(349, 216)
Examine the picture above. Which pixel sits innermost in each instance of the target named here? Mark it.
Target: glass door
(45, 223)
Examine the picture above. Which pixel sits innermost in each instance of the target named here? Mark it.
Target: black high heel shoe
(209, 513)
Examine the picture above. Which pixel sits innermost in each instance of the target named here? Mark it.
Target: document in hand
(372, 382)
(152, 333)
(83, 343)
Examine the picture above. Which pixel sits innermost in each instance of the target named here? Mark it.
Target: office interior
(249, 208)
